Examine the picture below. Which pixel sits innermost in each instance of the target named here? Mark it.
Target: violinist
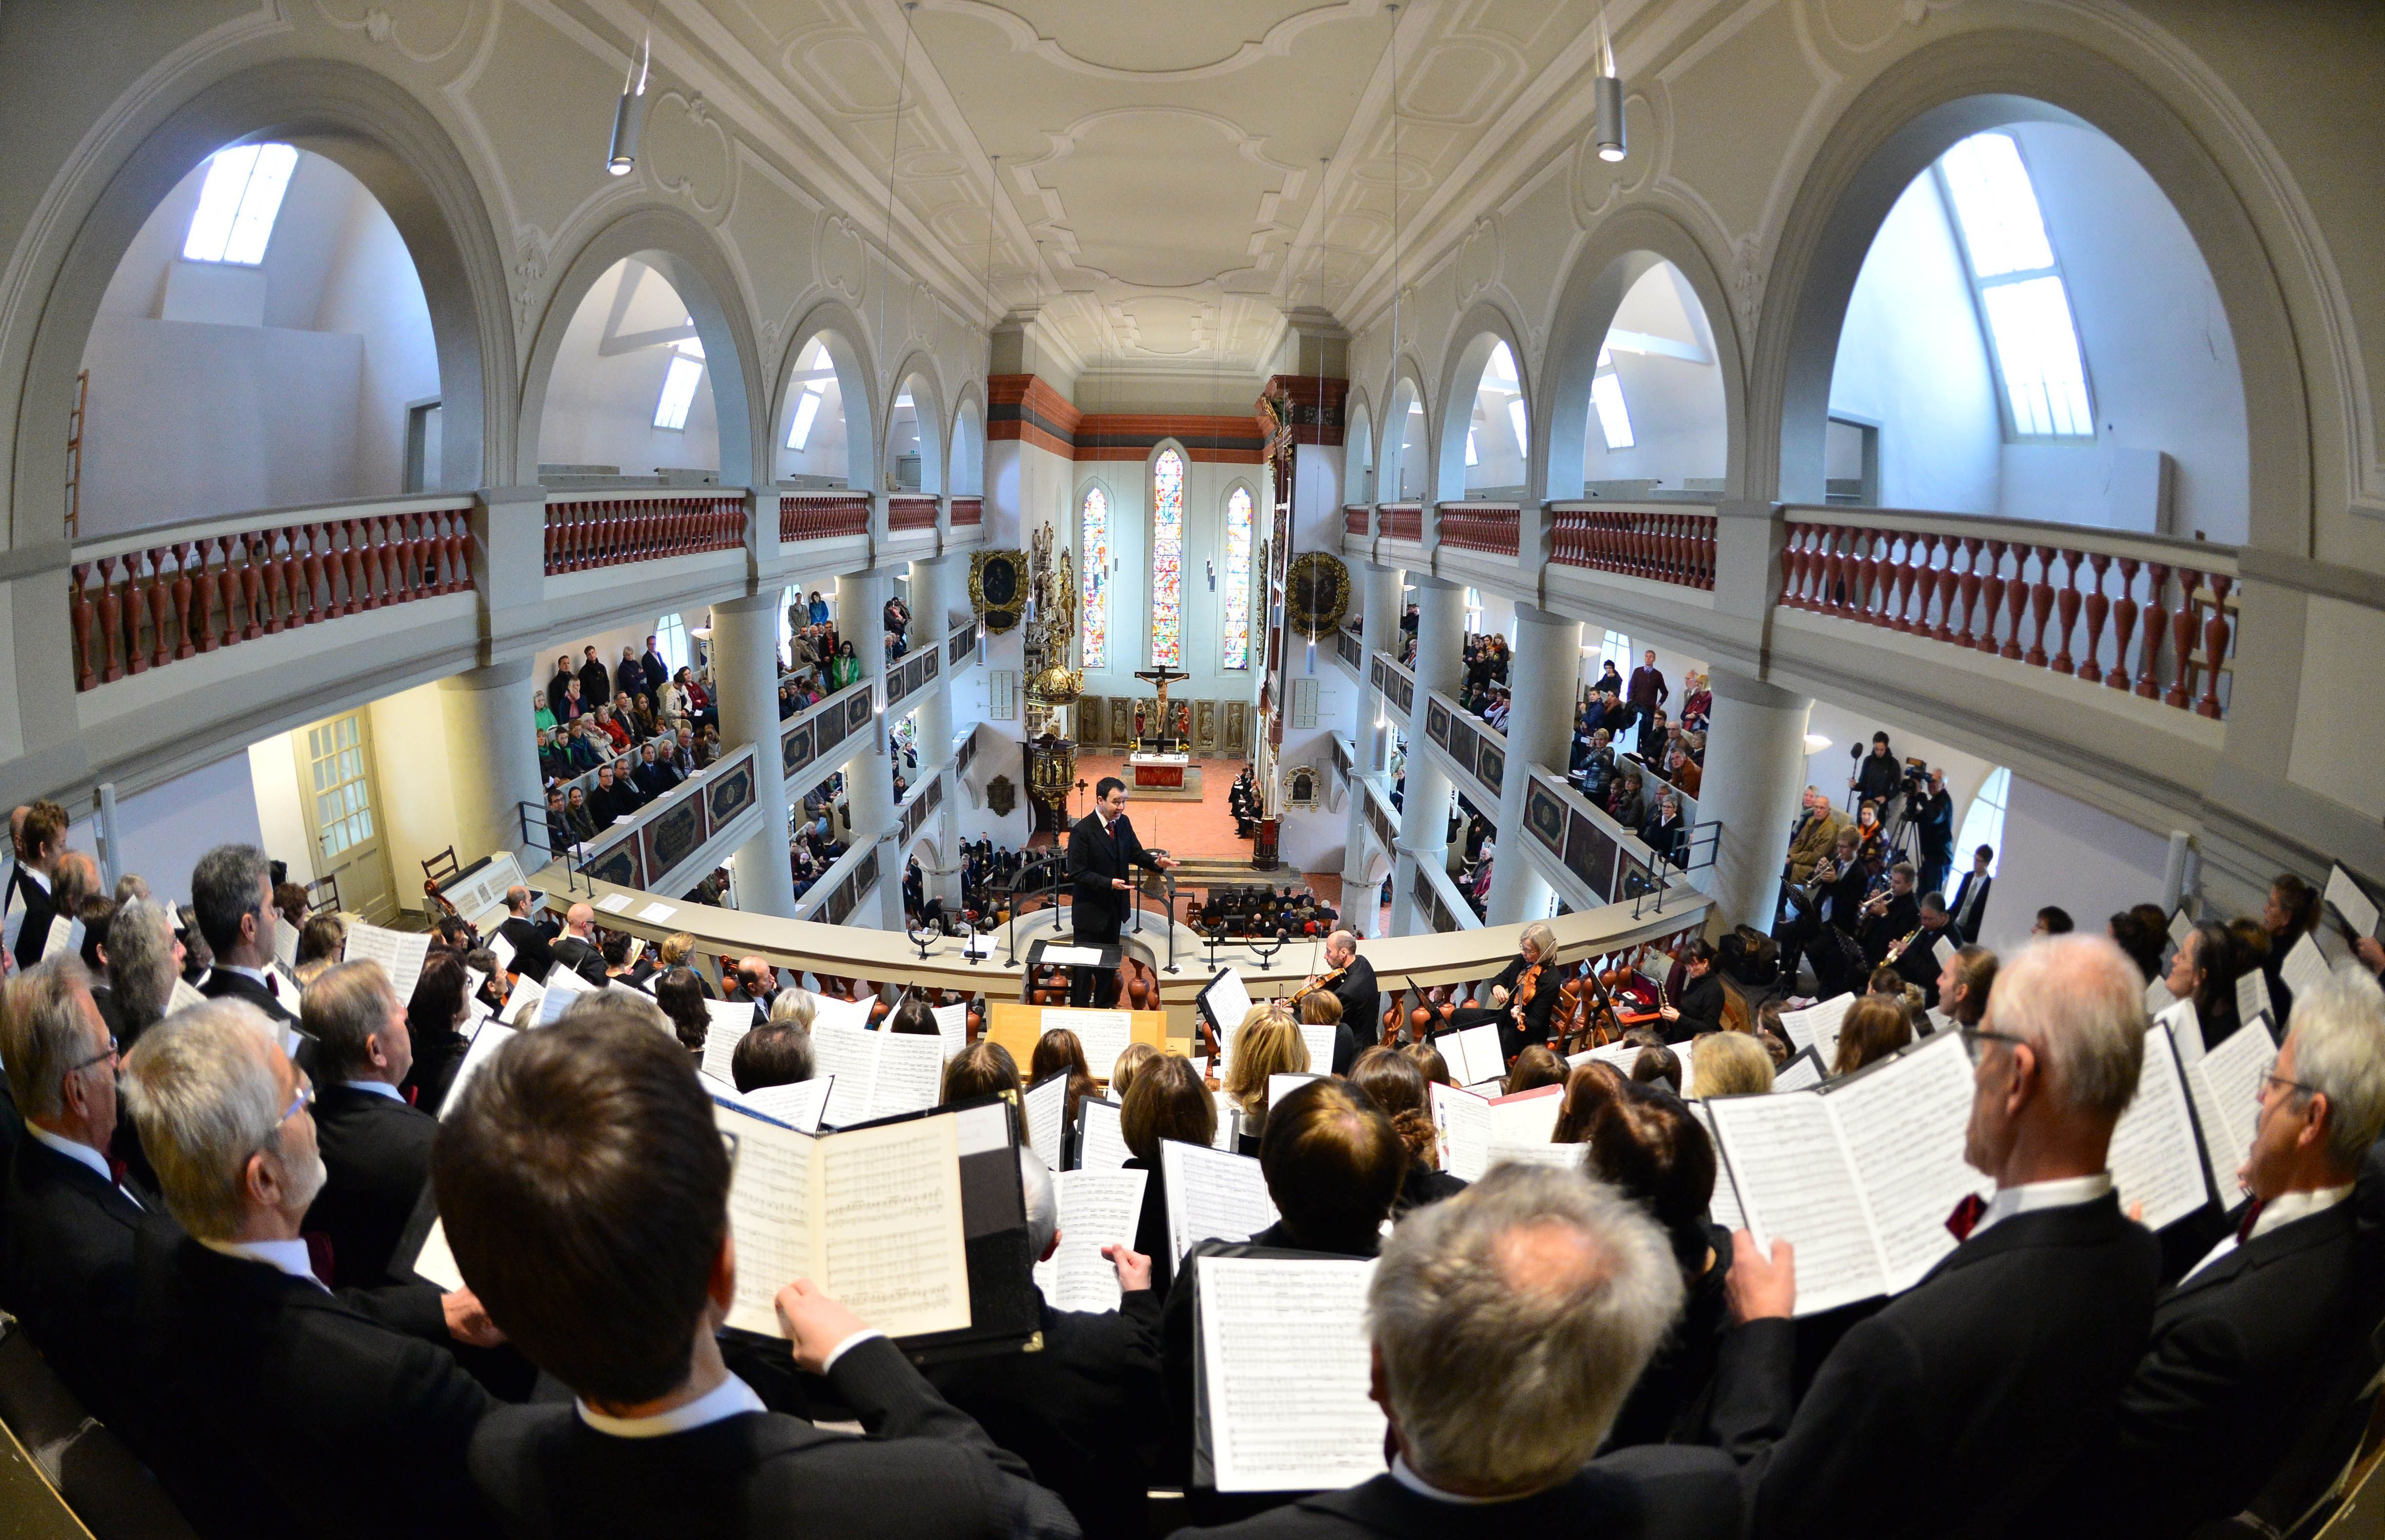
(1524, 994)
(1700, 1007)
(1350, 979)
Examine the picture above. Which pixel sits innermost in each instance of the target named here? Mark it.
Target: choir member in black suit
(2250, 1349)
(39, 841)
(232, 888)
(305, 1411)
(1102, 850)
(1081, 1411)
(1523, 994)
(376, 1147)
(578, 950)
(532, 942)
(1955, 1409)
(1508, 1323)
(434, 1023)
(616, 1281)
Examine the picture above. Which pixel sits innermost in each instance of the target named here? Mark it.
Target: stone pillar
(932, 599)
(1379, 622)
(1541, 688)
(1755, 774)
(1424, 806)
(492, 761)
(869, 777)
(745, 665)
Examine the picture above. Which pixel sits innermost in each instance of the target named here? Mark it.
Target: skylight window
(1473, 455)
(685, 373)
(238, 203)
(1515, 420)
(1606, 400)
(807, 406)
(2024, 304)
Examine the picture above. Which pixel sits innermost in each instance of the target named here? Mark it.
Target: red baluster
(2123, 623)
(281, 580)
(2156, 626)
(1946, 577)
(387, 535)
(111, 621)
(310, 564)
(136, 609)
(2066, 608)
(252, 586)
(161, 604)
(182, 643)
(1791, 568)
(1871, 595)
(1707, 553)
(211, 585)
(2041, 602)
(1900, 578)
(351, 561)
(2215, 645)
(1967, 588)
(2015, 601)
(2091, 661)
(2183, 628)
(86, 642)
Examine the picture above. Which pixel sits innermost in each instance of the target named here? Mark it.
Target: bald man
(1352, 983)
(577, 948)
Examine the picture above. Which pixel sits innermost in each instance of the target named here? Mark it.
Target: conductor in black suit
(615, 1284)
(1102, 849)
(2262, 1341)
(1954, 1410)
(1508, 1323)
(232, 888)
(376, 1148)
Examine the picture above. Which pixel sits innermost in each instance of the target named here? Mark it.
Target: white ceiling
(1167, 181)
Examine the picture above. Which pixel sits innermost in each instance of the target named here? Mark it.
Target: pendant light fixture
(1610, 89)
(630, 113)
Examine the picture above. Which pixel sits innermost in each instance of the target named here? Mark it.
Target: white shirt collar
(1404, 1473)
(731, 1397)
(33, 875)
(376, 1087)
(290, 1257)
(73, 1150)
(2283, 1209)
(257, 976)
(2029, 1196)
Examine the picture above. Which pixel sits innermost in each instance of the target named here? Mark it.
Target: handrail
(968, 511)
(585, 533)
(1470, 526)
(1399, 520)
(822, 515)
(2145, 547)
(911, 513)
(206, 525)
(1667, 546)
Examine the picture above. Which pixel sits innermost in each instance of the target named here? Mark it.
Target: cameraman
(1932, 811)
(1878, 777)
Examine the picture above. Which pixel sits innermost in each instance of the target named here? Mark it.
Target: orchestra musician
(1702, 999)
(1524, 994)
(1350, 979)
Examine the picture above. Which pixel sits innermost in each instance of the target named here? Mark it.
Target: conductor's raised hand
(814, 1322)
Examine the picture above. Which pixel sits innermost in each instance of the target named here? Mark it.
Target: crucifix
(1160, 678)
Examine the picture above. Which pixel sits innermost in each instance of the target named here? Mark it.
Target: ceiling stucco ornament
(1599, 185)
(531, 247)
(1479, 261)
(1277, 43)
(1747, 282)
(842, 260)
(1862, 26)
(688, 153)
(429, 31)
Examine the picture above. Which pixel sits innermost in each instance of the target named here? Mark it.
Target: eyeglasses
(106, 1058)
(1974, 1036)
(2267, 1081)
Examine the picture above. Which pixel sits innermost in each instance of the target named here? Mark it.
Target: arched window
(1167, 560)
(1238, 579)
(1094, 546)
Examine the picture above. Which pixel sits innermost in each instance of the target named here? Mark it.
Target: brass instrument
(1898, 950)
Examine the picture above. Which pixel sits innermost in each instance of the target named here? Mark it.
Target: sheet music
(2225, 1086)
(64, 942)
(1563, 1157)
(1903, 1126)
(563, 986)
(1212, 1195)
(1941, 950)
(1817, 1026)
(400, 953)
(1284, 1373)
(492, 1036)
(2179, 924)
(2351, 902)
(731, 1020)
(1045, 1107)
(1318, 1037)
(2185, 1029)
(2154, 1159)
(1229, 1135)
(2304, 968)
(843, 1013)
(1104, 1033)
(503, 950)
(1723, 1207)
(1100, 1145)
(183, 998)
(1228, 1000)
(1621, 1055)
(655, 914)
(1463, 1119)
(1073, 956)
(285, 943)
(2252, 996)
(614, 903)
(890, 1233)
(910, 1074)
(436, 1263)
(851, 1055)
(770, 1213)
(1801, 1073)
(1097, 1209)
(1280, 1086)
(522, 1004)
(951, 1025)
(1795, 1181)
(798, 1105)
(1528, 1117)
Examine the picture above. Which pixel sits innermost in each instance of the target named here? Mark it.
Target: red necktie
(319, 1254)
(1965, 1217)
(2244, 1226)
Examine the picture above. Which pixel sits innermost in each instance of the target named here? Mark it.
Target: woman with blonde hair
(794, 1006)
(1129, 1063)
(678, 950)
(1268, 1044)
(1728, 1064)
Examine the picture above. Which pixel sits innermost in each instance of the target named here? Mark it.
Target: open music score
(1019, 1026)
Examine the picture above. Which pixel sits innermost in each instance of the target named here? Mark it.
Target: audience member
(1970, 906)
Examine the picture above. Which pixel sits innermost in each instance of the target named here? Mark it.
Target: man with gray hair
(1508, 1324)
(376, 1148)
(327, 1414)
(232, 888)
(2264, 1338)
(1955, 1409)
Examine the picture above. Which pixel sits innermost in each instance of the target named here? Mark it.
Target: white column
(1756, 772)
(1423, 804)
(745, 665)
(1539, 730)
(932, 598)
(869, 777)
(492, 761)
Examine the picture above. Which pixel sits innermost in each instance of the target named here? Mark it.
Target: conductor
(1101, 848)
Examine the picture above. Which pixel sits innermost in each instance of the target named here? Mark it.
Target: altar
(1164, 777)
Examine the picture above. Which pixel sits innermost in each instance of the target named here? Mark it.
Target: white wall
(2058, 850)
(165, 830)
(1206, 488)
(370, 292)
(1679, 427)
(600, 401)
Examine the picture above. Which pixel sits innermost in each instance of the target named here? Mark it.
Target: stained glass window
(1094, 548)
(1238, 580)
(1167, 560)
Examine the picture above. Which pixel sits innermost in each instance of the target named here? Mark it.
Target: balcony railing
(139, 602)
(1354, 520)
(1660, 548)
(1480, 526)
(1401, 523)
(911, 513)
(968, 512)
(823, 516)
(2021, 592)
(585, 534)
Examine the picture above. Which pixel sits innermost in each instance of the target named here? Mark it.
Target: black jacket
(1423, 1185)
(1967, 926)
(222, 983)
(1878, 933)
(630, 677)
(319, 1414)
(1652, 1494)
(1877, 776)
(66, 1272)
(1701, 1005)
(1917, 964)
(1095, 857)
(34, 931)
(654, 778)
(581, 957)
(2242, 1360)
(377, 1152)
(1083, 1412)
(925, 1469)
(1361, 1003)
(595, 685)
(1953, 1411)
(436, 1060)
(533, 948)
